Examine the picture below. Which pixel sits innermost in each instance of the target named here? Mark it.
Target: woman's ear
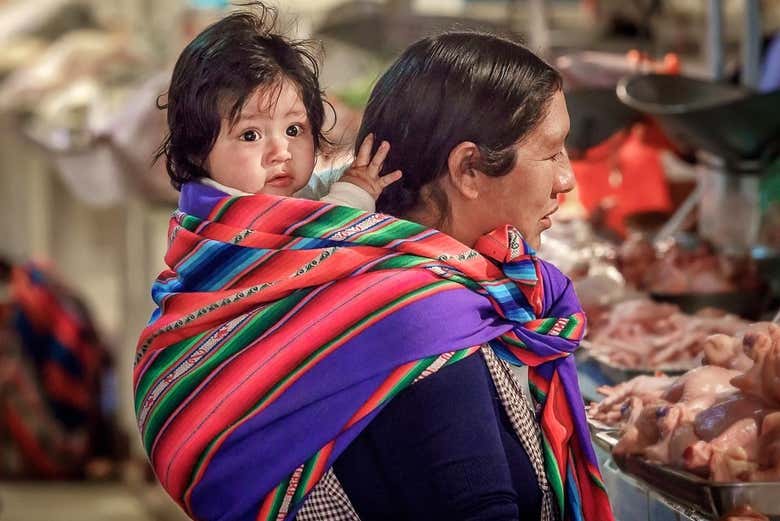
(462, 171)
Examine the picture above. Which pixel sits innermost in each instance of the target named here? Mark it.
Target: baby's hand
(364, 170)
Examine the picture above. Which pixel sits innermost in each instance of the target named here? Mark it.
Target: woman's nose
(564, 177)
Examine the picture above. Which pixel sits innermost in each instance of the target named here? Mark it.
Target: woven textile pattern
(284, 325)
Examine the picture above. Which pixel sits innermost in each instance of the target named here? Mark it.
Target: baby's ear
(462, 170)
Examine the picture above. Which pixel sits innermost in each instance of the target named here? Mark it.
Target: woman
(348, 365)
(477, 125)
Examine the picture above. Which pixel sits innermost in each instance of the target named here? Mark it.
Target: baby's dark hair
(219, 71)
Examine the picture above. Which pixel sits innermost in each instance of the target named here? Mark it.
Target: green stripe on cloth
(329, 222)
(306, 476)
(570, 327)
(512, 341)
(162, 364)
(248, 334)
(545, 325)
(537, 393)
(189, 222)
(597, 481)
(279, 494)
(224, 208)
(400, 262)
(457, 356)
(415, 371)
(389, 232)
(553, 474)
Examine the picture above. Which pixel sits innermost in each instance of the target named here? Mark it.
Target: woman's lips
(547, 219)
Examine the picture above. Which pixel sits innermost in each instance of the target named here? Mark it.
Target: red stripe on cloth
(181, 442)
(556, 422)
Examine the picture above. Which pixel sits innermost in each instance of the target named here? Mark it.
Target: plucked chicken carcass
(726, 351)
(629, 395)
(653, 431)
(720, 421)
(728, 456)
(763, 378)
(768, 450)
(699, 388)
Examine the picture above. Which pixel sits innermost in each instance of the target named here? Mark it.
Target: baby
(245, 116)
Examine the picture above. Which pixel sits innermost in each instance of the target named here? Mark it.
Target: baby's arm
(361, 183)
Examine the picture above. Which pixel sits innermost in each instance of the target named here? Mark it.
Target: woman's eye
(294, 130)
(557, 156)
(250, 135)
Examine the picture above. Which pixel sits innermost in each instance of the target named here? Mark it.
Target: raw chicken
(762, 380)
(654, 431)
(672, 269)
(711, 422)
(85, 53)
(768, 450)
(640, 433)
(701, 387)
(675, 435)
(729, 455)
(715, 420)
(643, 389)
(647, 335)
(726, 351)
(635, 258)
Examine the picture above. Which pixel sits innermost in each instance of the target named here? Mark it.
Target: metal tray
(710, 498)
(596, 427)
(605, 439)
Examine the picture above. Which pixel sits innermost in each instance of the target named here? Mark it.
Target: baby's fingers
(364, 152)
(379, 157)
(388, 179)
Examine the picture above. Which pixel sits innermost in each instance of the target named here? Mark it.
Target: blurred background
(85, 213)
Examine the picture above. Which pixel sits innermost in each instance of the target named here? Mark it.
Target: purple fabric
(263, 450)
(198, 199)
(417, 330)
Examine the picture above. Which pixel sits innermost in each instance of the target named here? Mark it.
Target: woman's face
(527, 196)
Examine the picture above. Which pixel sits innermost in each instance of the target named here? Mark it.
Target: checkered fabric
(329, 502)
(522, 418)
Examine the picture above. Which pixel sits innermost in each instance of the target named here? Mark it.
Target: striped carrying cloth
(284, 325)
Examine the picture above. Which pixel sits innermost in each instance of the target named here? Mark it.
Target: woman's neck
(429, 215)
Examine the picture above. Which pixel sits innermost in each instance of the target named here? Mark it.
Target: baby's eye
(557, 156)
(294, 130)
(250, 135)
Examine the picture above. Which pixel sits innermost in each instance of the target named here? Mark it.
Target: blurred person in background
(53, 420)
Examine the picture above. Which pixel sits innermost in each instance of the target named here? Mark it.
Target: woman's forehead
(554, 127)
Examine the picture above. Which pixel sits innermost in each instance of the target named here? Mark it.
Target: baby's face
(270, 149)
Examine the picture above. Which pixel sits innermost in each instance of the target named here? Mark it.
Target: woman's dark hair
(451, 88)
(219, 70)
